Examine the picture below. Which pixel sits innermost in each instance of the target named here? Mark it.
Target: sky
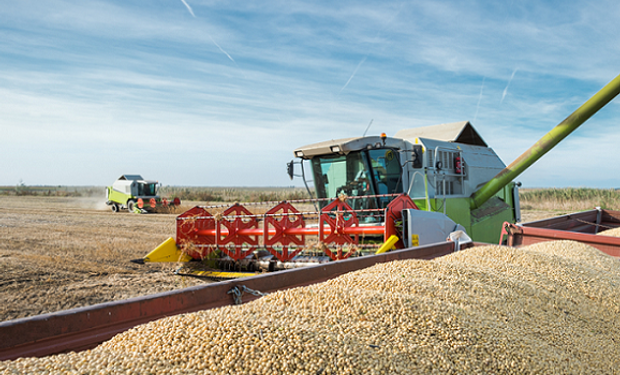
(220, 93)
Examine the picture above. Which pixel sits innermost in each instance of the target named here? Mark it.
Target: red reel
(338, 215)
(288, 217)
(243, 219)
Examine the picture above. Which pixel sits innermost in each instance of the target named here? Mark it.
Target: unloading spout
(546, 143)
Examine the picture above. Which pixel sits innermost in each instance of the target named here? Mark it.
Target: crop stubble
(61, 253)
(58, 253)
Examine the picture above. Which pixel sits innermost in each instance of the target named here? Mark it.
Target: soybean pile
(549, 308)
(614, 232)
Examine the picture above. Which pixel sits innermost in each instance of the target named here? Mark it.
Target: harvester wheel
(131, 206)
(114, 207)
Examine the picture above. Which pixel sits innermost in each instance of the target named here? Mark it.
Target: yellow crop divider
(388, 245)
(167, 252)
(222, 275)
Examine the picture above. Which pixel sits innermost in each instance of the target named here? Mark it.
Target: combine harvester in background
(422, 186)
(137, 195)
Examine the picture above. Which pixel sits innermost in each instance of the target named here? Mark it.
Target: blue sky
(219, 93)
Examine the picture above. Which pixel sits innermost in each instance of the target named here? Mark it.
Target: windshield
(359, 173)
(147, 189)
(386, 173)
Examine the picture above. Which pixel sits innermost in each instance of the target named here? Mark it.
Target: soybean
(546, 308)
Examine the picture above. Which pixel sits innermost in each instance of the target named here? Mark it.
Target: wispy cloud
(221, 49)
(121, 70)
(479, 99)
(354, 72)
(189, 8)
(508, 85)
(210, 37)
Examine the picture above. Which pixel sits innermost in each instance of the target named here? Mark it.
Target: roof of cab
(344, 146)
(130, 177)
(459, 132)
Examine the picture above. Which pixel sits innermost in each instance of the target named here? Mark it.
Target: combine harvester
(357, 215)
(137, 195)
(422, 186)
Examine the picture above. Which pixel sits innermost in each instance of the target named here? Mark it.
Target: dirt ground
(59, 253)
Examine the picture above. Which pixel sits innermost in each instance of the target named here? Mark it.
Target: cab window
(386, 173)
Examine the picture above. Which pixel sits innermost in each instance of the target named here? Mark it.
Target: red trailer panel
(83, 328)
(580, 226)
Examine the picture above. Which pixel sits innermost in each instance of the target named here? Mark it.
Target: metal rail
(305, 214)
(308, 231)
(524, 236)
(307, 200)
(86, 327)
(579, 226)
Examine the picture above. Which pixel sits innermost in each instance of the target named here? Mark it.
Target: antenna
(368, 127)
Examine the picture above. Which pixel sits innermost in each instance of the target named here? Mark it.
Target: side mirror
(290, 169)
(416, 156)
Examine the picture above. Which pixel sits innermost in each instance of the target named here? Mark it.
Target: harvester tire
(114, 207)
(131, 206)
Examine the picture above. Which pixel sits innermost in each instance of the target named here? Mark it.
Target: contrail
(387, 25)
(479, 99)
(188, 8)
(217, 45)
(353, 75)
(506, 89)
(226, 53)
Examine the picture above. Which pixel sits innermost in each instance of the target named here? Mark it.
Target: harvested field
(550, 308)
(58, 253)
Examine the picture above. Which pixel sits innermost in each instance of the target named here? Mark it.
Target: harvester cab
(137, 195)
(439, 167)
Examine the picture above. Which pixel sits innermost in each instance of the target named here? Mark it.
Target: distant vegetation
(235, 194)
(200, 194)
(565, 199)
(22, 189)
(569, 199)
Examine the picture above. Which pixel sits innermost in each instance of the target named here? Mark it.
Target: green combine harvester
(445, 169)
(137, 195)
(422, 186)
